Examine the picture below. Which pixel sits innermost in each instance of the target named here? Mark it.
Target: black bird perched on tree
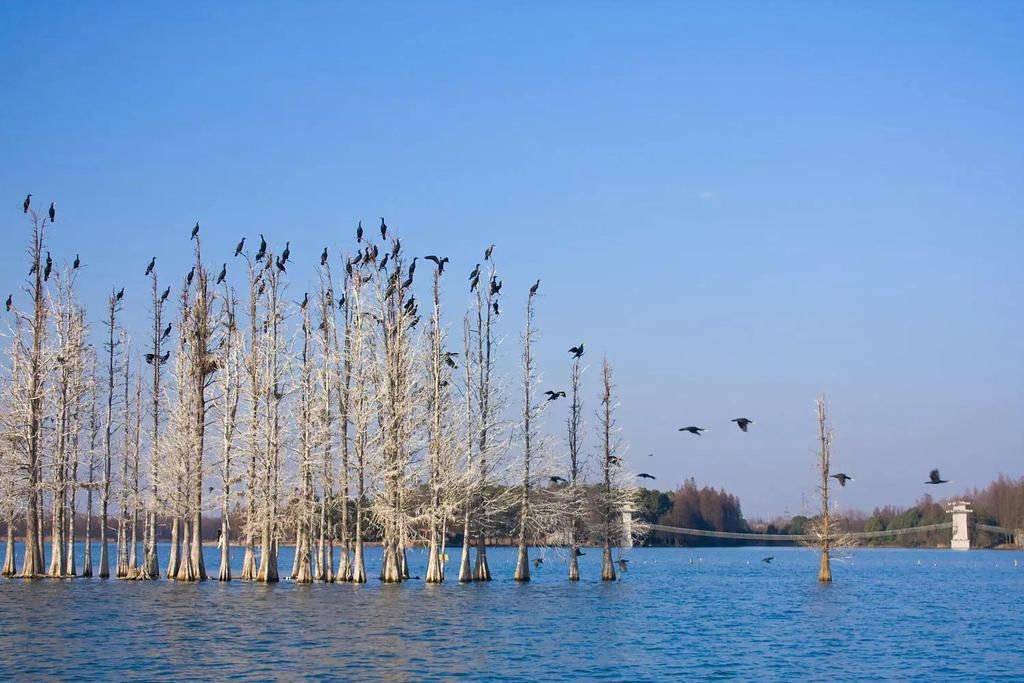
(558, 480)
(396, 247)
(495, 286)
(693, 430)
(341, 301)
(536, 286)
(495, 307)
(552, 395)
(768, 560)
(167, 293)
(842, 478)
(412, 266)
(476, 273)
(163, 358)
(151, 266)
(383, 229)
(223, 274)
(27, 203)
(359, 232)
(286, 253)
(48, 267)
(448, 355)
(10, 300)
(934, 478)
(167, 332)
(77, 263)
(473, 284)
(34, 268)
(323, 257)
(263, 248)
(439, 261)
(305, 300)
(408, 282)
(383, 262)
(614, 460)
(149, 358)
(240, 247)
(188, 278)
(53, 213)
(120, 295)
(195, 231)
(576, 351)
(742, 423)
(280, 265)
(489, 253)
(644, 475)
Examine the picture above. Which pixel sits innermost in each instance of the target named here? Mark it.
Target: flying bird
(693, 430)
(27, 203)
(323, 257)
(558, 480)
(554, 395)
(644, 475)
(383, 229)
(576, 351)
(934, 478)
(768, 560)
(742, 423)
(489, 253)
(223, 274)
(536, 286)
(77, 262)
(359, 232)
(240, 247)
(151, 266)
(842, 478)
(195, 231)
(53, 213)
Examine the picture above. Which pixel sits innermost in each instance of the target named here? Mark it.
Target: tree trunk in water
(225, 551)
(434, 571)
(481, 571)
(249, 560)
(522, 562)
(607, 566)
(104, 559)
(174, 558)
(268, 558)
(87, 560)
(574, 564)
(303, 570)
(295, 558)
(152, 563)
(465, 571)
(186, 570)
(825, 573)
(358, 560)
(8, 569)
(198, 567)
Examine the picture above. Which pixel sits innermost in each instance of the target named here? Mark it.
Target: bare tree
(575, 492)
(254, 395)
(230, 384)
(530, 411)
(303, 572)
(151, 561)
(112, 348)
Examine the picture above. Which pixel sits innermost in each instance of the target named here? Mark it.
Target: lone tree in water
(575, 492)
(112, 347)
(530, 410)
(824, 533)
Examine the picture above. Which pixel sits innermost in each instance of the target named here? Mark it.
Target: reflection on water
(726, 614)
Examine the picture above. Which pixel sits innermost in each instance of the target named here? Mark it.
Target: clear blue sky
(742, 204)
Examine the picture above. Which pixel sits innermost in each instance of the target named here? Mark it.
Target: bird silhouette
(496, 286)
(412, 266)
(558, 480)
(195, 231)
(27, 203)
(239, 247)
(223, 274)
(396, 247)
(305, 300)
(188, 278)
(77, 262)
(323, 257)
(497, 311)
(623, 564)
(48, 267)
(489, 253)
(576, 351)
(644, 475)
(742, 423)
(280, 265)
(536, 286)
(439, 261)
(842, 478)
(614, 460)
(341, 301)
(10, 302)
(473, 283)
(119, 295)
(167, 293)
(286, 253)
(476, 273)
(167, 332)
(149, 358)
(768, 560)
(693, 430)
(383, 229)
(579, 553)
(383, 262)
(934, 478)
(53, 213)
(448, 355)
(359, 232)
(538, 562)
(263, 248)
(554, 395)
(163, 358)
(151, 266)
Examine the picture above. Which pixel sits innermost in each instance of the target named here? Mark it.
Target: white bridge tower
(960, 510)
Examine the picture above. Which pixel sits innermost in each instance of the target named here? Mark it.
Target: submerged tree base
(825, 573)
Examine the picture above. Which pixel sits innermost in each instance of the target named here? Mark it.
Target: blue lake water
(676, 614)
